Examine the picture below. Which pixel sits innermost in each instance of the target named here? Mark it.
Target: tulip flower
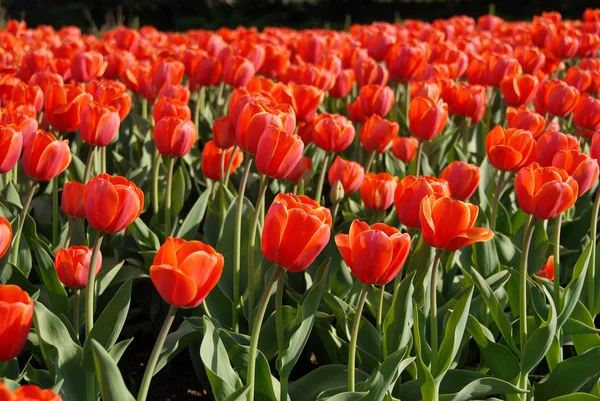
(556, 98)
(579, 79)
(223, 132)
(586, 114)
(32, 392)
(508, 149)
(349, 173)
(72, 199)
(5, 236)
(343, 84)
(405, 148)
(578, 165)
(409, 194)
(166, 72)
(372, 99)
(87, 66)
(301, 171)
(11, 144)
(500, 67)
(547, 271)
(427, 119)
(278, 152)
(377, 133)
(520, 90)
(64, 106)
(254, 119)
(530, 58)
(166, 107)
(16, 309)
(206, 72)
(425, 89)
(467, 101)
(73, 265)
(377, 191)
(462, 178)
(117, 63)
(174, 137)
(332, 132)
(113, 94)
(549, 144)
(99, 124)
(237, 71)
(305, 101)
(405, 60)
(218, 162)
(526, 119)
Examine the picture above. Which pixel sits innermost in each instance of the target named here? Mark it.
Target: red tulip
(223, 132)
(174, 136)
(509, 150)
(463, 179)
(64, 106)
(556, 98)
(579, 166)
(551, 143)
(45, 157)
(372, 99)
(237, 71)
(166, 72)
(301, 171)
(278, 152)
(377, 191)
(519, 91)
(467, 101)
(72, 199)
(332, 132)
(586, 114)
(34, 393)
(547, 271)
(87, 66)
(16, 309)
(73, 264)
(350, 174)
(530, 58)
(526, 119)
(343, 84)
(11, 144)
(411, 191)
(306, 100)
(405, 148)
(404, 61)
(427, 119)
(99, 124)
(211, 160)
(166, 107)
(499, 67)
(579, 79)
(5, 236)
(113, 94)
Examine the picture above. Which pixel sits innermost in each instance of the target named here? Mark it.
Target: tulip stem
(523, 283)
(406, 100)
(199, 106)
(158, 346)
(229, 164)
(76, 324)
(464, 133)
(557, 261)
(89, 309)
(155, 171)
(55, 216)
(88, 164)
(591, 273)
(237, 243)
(370, 161)
(334, 211)
(354, 338)
(283, 379)
(69, 233)
(222, 167)
(258, 319)
(168, 195)
(380, 309)
(419, 155)
(103, 159)
(14, 254)
(497, 195)
(433, 309)
(319, 189)
(264, 181)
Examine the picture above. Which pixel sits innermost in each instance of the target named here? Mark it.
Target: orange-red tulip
(306, 100)
(166, 107)
(520, 90)
(11, 144)
(434, 213)
(551, 143)
(586, 114)
(369, 72)
(278, 152)
(547, 271)
(211, 160)
(564, 45)
(45, 79)
(296, 230)
(409, 194)
(526, 119)
(5, 393)
(343, 84)
(405, 148)
(404, 61)
(166, 72)
(16, 309)
(375, 254)
(467, 101)
(463, 179)
(32, 392)
(176, 92)
(349, 173)
(509, 149)
(111, 93)
(545, 192)
(112, 203)
(377, 133)
(45, 157)
(332, 132)
(579, 79)
(87, 66)
(499, 67)
(72, 199)
(237, 71)
(372, 99)
(377, 191)
(184, 272)
(578, 165)
(5, 236)
(556, 98)
(118, 62)
(64, 106)
(174, 136)
(99, 124)
(531, 59)
(301, 171)
(427, 119)
(223, 132)
(73, 265)
(425, 89)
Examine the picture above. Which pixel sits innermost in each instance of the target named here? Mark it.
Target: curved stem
(591, 273)
(319, 189)
(168, 195)
(158, 345)
(334, 211)
(354, 338)
(380, 308)
(283, 379)
(155, 171)
(55, 215)
(523, 282)
(264, 181)
(433, 309)
(88, 164)
(76, 324)
(14, 253)
(497, 195)
(419, 155)
(258, 319)
(228, 169)
(370, 161)
(237, 242)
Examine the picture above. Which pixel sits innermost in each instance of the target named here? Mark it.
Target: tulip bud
(73, 265)
(337, 193)
(17, 316)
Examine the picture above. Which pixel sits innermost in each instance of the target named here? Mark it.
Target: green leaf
(176, 342)
(223, 378)
(583, 342)
(453, 335)
(112, 386)
(241, 394)
(191, 223)
(178, 192)
(386, 376)
(572, 292)
(482, 388)
(309, 386)
(537, 250)
(396, 327)
(344, 397)
(539, 342)
(61, 355)
(108, 327)
(570, 375)
(486, 257)
(577, 397)
(144, 236)
(47, 271)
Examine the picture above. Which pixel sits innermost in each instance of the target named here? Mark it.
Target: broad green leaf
(112, 386)
(176, 342)
(178, 192)
(344, 397)
(577, 397)
(486, 257)
(421, 260)
(583, 342)
(47, 272)
(191, 223)
(309, 386)
(386, 376)
(482, 388)
(537, 250)
(572, 292)
(396, 327)
(241, 394)
(539, 342)
(143, 235)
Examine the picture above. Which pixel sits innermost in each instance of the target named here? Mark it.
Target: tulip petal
(275, 224)
(314, 247)
(101, 202)
(450, 218)
(345, 247)
(552, 199)
(166, 254)
(504, 157)
(299, 230)
(468, 237)
(401, 247)
(173, 285)
(128, 209)
(371, 256)
(53, 161)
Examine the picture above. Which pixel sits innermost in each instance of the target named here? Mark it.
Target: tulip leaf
(577, 397)
(537, 250)
(309, 386)
(398, 321)
(61, 354)
(47, 271)
(144, 236)
(112, 385)
(482, 387)
(191, 223)
(420, 261)
(539, 342)
(486, 257)
(583, 342)
(178, 192)
(108, 327)
(386, 376)
(241, 394)
(343, 397)
(13, 197)
(176, 342)
(572, 292)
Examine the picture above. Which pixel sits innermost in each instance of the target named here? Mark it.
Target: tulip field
(401, 211)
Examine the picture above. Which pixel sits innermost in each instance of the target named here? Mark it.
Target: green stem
(319, 189)
(283, 379)
(334, 211)
(76, 324)
(55, 216)
(229, 163)
(155, 170)
(370, 161)
(354, 338)
(557, 262)
(158, 346)
(419, 156)
(464, 133)
(591, 273)
(168, 195)
(103, 159)
(69, 233)
(433, 310)
(14, 253)
(222, 167)
(406, 100)
(523, 281)
(258, 319)
(498, 194)
(380, 308)
(199, 106)
(15, 175)
(264, 181)
(88, 164)
(237, 243)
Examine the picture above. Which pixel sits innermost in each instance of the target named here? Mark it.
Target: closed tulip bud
(377, 133)
(343, 84)
(556, 98)
(16, 309)
(375, 254)
(545, 192)
(32, 392)
(411, 191)
(467, 101)
(117, 63)
(237, 71)
(520, 90)
(72, 199)
(336, 195)
(278, 152)
(564, 45)
(184, 272)
(404, 61)
(462, 178)
(350, 174)
(64, 106)
(578, 165)
(547, 271)
(301, 171)
(166, 107)
(405, 148)
(112, 203)
(586, 114)
(509, 149)
(254, 120)
(73, 265)
(332, 132)
(526, 119)
(295, 232)
(369, 72)
(175, 92)
(377, 191)
(207, 72)
(45, 157)
(174, 136)
(433, 216)
(45, 79)
(425, 89)
(499, 67)
(166, 72)
(87, 66)
(552, 142)
(223, 132)
(372, 99)
(211, 160)
(11, 144)
(306, 100)
(5, 236)
(531, 59)
(99, 124)
(427, 119)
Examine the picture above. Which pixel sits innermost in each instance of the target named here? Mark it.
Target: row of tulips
(213, 138)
